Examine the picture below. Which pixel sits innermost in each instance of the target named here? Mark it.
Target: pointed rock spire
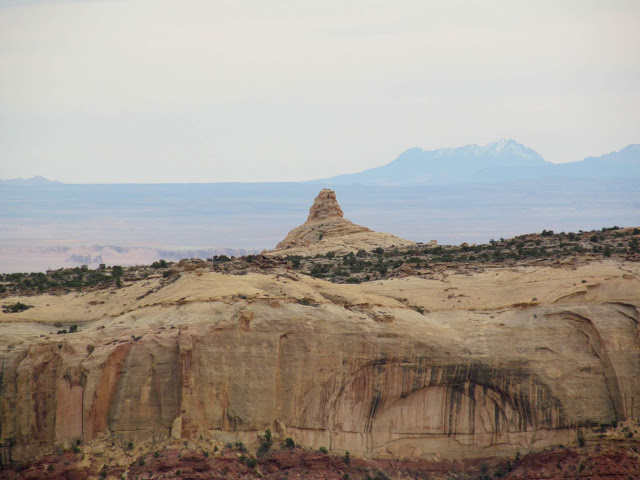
(325, 206)
(326, 230)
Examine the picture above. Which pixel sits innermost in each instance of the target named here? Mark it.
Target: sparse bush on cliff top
(15, 308)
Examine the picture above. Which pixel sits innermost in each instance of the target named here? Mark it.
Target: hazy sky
(208, 91)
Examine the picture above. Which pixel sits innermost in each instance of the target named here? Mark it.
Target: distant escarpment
(464, 364)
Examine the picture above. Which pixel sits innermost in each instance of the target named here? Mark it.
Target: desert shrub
(117, 271)
(349, 259)
(267, 441)
(15, 308)
(289, 443)
(347, 458)
(581, 439)
(319, 270)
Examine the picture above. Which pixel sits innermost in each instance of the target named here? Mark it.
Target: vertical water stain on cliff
(98, 415)
(597, 345)
(69, 404)
(146, 399)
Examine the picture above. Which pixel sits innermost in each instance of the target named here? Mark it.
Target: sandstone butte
(466, 365)
(327, 230)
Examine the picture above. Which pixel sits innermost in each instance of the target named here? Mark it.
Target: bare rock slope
(327, 230)
(463, 365)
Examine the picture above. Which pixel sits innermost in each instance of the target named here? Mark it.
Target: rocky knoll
(464, 365)
(326, 230)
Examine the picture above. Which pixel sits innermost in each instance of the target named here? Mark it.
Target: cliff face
(505, 360)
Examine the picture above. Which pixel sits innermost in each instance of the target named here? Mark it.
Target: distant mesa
(37, 180)
(326, 230)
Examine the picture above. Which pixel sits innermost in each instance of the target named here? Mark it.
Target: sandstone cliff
(504, 360)
(327, 230)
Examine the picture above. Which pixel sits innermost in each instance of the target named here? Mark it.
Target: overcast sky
(209, 91)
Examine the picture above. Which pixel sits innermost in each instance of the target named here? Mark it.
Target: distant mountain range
(501, 161)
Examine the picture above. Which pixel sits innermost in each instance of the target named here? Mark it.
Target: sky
(136, 91)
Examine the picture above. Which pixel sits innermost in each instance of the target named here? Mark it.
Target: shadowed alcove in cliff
(394, 402)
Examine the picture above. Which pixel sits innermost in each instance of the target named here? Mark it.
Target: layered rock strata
(501, 361)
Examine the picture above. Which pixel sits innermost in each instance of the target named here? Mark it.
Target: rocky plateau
(459, 366)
